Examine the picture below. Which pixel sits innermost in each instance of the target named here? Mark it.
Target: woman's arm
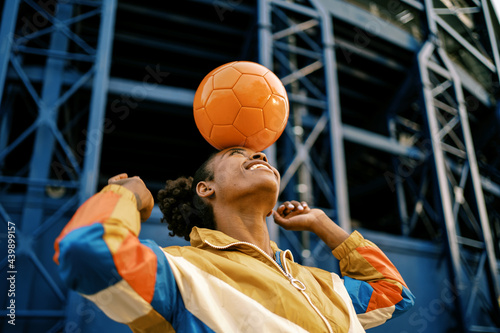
(376, 288)
(100, 256)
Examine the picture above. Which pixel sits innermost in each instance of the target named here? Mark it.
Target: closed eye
(237, 151)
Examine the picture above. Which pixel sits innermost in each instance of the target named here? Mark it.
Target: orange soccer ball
(241, 103)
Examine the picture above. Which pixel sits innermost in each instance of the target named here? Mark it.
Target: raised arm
(377, 290)
(100, 256)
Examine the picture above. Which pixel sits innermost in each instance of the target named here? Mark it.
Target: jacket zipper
(293, 281)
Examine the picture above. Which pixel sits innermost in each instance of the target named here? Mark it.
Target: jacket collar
(200, 236)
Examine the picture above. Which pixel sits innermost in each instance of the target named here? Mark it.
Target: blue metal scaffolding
(55, 79)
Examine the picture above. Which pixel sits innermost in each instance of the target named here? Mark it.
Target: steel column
(100, 83)
(336, 129)
(7, 25)
(445, 196)
(492, 35)
(266, 59)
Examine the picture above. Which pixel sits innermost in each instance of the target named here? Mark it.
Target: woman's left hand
(296, 216)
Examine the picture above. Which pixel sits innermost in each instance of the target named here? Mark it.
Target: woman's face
(241, 171)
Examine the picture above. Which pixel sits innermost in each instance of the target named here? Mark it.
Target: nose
(259, 156)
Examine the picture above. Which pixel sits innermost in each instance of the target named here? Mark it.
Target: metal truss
(44, 39)
(464, 212)
(463, 208)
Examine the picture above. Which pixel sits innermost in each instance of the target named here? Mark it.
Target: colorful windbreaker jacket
(219, 284)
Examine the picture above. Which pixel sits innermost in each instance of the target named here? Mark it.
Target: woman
(232, 278)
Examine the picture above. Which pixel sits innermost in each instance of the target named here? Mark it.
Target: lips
(258, 165)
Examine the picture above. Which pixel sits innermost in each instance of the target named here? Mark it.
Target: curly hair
(181, 206)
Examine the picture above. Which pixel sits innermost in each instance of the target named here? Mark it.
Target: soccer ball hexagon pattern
(241, 103)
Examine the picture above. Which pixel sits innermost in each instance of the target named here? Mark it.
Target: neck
(248, 226)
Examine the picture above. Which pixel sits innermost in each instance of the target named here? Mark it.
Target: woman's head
(230, 177)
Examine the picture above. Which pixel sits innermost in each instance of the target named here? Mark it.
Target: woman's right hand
(145, 201)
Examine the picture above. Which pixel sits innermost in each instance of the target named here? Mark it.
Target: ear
(204, 190)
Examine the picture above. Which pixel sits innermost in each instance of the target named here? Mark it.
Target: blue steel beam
(335, 123)
(414, 3)
(151, 92)
(298, 8)
(7, 25)
(344, 11)
(475, 88)
(179, 19)
(302, 150)
(221, 6)
(62, 25)
(445, 197)
(295, 28)
(90, 172)
(489, 16)
(266, 59)
(55, 54)
(5, 123)
(381, 143)
(134, 89)
(161, 44)
(466, 45)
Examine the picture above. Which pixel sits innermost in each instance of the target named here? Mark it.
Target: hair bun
(181, 206)
(176, 204)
